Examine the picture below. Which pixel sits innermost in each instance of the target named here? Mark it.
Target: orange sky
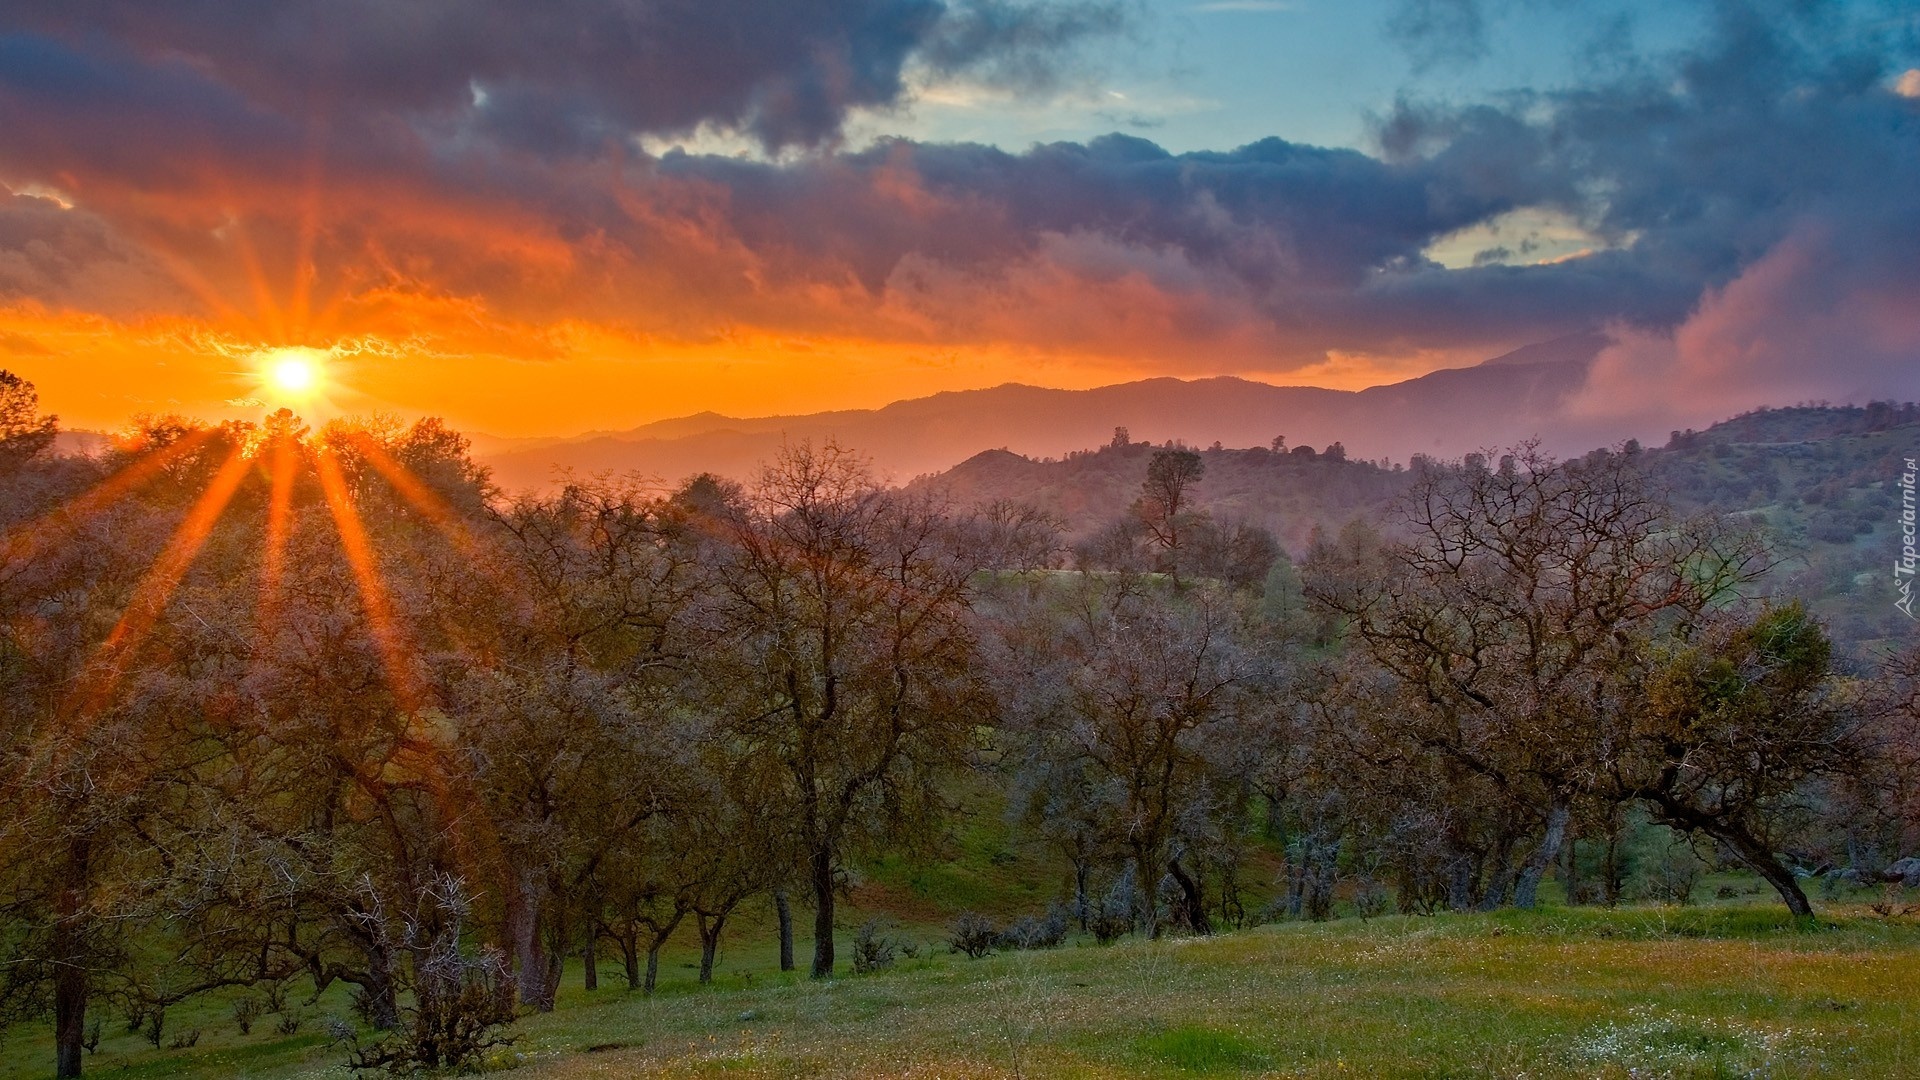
(543, 223)
(96, 374)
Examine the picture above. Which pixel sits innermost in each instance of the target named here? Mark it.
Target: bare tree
(1521, 590)
(848, 658)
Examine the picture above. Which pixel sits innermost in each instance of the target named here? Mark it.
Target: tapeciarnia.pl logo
(1903, 569)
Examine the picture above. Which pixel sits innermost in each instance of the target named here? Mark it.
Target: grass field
(1729, 990)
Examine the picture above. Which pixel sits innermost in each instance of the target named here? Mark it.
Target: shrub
(872, 950)
(185, 1039)
(461, 1000)
(1029, 932)
(289, 1023)
(972, 933)
(245, 1011)
(1370, 899)
(156, 1025)
(92, 1041)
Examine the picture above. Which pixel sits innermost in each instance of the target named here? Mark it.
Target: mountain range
(1520, 395)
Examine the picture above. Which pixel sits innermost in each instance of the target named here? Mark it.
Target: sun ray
(29, 540)
(429, 502)
(195, 282)
(374, 600)
(301, 303)
(418, 751)
(279, 520)
(263, 299)
(156, 588)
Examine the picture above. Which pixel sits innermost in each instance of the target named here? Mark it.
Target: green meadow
(1725, 990)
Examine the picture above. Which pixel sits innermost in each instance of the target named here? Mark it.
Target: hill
(1287, 492)
(1822, 482)
(1449, 412)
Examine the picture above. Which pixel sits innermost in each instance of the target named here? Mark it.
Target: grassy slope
(1727, 990)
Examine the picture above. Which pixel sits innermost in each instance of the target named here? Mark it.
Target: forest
(285, 709)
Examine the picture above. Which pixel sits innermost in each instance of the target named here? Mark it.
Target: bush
(289, 1023)
(1029, 932)
(972, 933)
(185, 1039)
(461, 1001)
(872, 950)
(92, 1040)
(1673, 874)
(1113, 916)
(245, 1011)
(1370, 899)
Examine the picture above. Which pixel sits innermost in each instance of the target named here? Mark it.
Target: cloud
(1439, 32)
(571, 76)
(468, 177)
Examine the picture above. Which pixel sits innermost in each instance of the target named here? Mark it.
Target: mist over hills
(1521, 395)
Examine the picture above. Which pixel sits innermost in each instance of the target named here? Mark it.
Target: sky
(552, 216)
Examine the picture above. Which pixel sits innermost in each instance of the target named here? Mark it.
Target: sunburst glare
(292, 374)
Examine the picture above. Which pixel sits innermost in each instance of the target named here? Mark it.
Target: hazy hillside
(1449, 412)
(1822, 481)
(1825, 483)
(1288, 493)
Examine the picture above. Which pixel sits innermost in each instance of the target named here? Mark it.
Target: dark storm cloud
(567, 74)
(482, 151)
(1764, 195)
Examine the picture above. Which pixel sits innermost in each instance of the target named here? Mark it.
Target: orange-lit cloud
(459, 213)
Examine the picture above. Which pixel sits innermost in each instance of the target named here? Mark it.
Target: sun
(292, 374)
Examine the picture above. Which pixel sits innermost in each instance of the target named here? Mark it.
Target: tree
(1165, 503)
(92, 758)
(24, 433)
(1137, 702)
(848, 657)
(1732, 721)
(1521, 594)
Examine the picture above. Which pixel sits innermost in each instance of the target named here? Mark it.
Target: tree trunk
(630, 956)
(822, 913)
(1195, 913)
(70, 991)
(1460, 875)
(534, 980)
(1610, 870)
(70, 983)
(709, 945)
(653, 967)
(1500, 880)
(1149, 899)
(590, 959)
(1526, 891)
(1570, 873)
(1082, 871)
(382, 990)
(1748, 848)
(784, 908)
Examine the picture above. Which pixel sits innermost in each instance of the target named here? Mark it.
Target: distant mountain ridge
(1509, 398)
